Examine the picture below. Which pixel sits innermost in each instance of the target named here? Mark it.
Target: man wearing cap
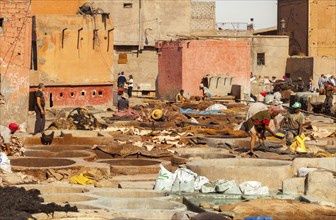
(205, 90)
(293, 123)
(300, 84)
(260, 121)
(123, 103)
(6, 134)
(39, 109)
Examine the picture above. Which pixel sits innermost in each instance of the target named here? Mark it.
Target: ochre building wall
(322, 28)
(15, 57)
(56, 6)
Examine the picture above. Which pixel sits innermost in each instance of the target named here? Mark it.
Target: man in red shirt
(260, 121)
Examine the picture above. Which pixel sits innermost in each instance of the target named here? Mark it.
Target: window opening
(260, 59)
(128, 5)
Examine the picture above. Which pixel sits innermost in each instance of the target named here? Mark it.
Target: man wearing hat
(293, 123)
(6, 133)
(123, 103)
(260, 121)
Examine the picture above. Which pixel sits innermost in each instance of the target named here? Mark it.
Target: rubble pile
(16, 146)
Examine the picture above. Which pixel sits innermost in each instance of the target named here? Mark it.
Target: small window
(122, 58)
(83, 93)
(61, 94)
(128, 5)
(261, 59)
(100, 92)
(72, 94)
(93, 92)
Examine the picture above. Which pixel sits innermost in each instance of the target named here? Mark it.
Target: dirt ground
(18, 203)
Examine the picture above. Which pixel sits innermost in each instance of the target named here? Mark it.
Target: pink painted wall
(78, 96)
(199, 58)
(170, 65)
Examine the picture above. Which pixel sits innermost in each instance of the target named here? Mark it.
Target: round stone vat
(129, 193)
(185, 158)
(63, 154)
(70, 216)
(37, 162)
(132, 166)
(328, 144)
(197, 150)
(50, 188)
(67, 198)
(270, 173)
(58, 148)
(227, 142)
(143, 208)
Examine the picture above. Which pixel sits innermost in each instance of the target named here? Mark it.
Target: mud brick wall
(203, 16)
(15, 58)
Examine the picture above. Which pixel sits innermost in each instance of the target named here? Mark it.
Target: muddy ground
(18, 203)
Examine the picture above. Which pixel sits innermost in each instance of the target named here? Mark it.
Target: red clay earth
(18, 203)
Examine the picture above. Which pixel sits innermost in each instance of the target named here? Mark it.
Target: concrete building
(138, 24)
(311, 26)
(72, 54)
(184, 63)
(15, 58)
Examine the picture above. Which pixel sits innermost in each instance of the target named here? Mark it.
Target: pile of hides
(16, 146)
(78, 119)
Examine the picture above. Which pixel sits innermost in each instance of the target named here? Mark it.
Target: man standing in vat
(39, 109)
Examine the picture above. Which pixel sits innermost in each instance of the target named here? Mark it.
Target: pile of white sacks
(185, 180)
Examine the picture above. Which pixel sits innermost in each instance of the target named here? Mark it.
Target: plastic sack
(216, 107)
(184, 181)
(23, 127)
(5, 163)
(5, 133)
(165, 179)
(227, 187)
(199, 182)
(253, 188)
(193, 120)
(208, 188)
(298, 144)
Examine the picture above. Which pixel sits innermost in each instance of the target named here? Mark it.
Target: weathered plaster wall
(56, 6)
(203, 17)
(143, 67)
(159, 20)
(276, 54)
(295, 14)
(15, 54)
(163, 17)
(73, 57)
(200, 58)
(324, 65)
(322, 28)
(170, 69)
